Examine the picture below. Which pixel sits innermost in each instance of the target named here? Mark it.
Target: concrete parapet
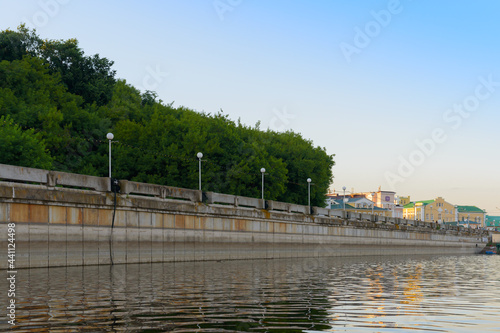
(321, 211)
(367, 217)
(250, 202)
(337, 213)
(160, 191)
(278, 206)
(219, 198)
(29, 175)
(101, 184)
(299, 209)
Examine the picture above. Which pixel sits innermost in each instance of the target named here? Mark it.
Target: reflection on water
(382, 294)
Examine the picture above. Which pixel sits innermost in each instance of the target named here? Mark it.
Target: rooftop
(469, 209)
(423, 202)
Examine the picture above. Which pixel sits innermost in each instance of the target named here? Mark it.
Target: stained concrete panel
(57, 244)
(132, 247)
(19, 212)
(119, 245)
(120, 218)
(57, 215)
(90, 216)
(157, 244)
(74, 216)
(169, 221)
(39, 244)
(189, 222)
(145, 220)
(145, 244)
(104, 246)
(157, 220)
(4, 212)
(132, 219)
(106, 217)
(38, 214)
(168, 245)
(180, 221)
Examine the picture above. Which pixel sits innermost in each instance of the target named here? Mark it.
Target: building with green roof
(492, 222)
(471, 214)
(437, 210)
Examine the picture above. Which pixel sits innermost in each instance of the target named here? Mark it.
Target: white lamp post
(199, 155)
(262, 170)
(373, 202)
(343, 188)
(110, 137)
(309, 193)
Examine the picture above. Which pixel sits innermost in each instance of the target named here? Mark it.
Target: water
(369, 294)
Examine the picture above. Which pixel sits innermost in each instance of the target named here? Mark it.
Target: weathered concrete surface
(59, 226)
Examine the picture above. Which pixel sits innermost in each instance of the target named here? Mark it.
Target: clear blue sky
(365, 79)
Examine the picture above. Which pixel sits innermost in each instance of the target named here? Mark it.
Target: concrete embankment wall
(58, 225)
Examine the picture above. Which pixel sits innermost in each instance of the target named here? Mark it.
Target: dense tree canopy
(22, 148)
(57, 104)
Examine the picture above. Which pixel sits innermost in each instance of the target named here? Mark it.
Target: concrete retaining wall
(63, 220)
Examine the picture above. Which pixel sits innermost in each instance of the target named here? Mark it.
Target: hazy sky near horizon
(405, 93)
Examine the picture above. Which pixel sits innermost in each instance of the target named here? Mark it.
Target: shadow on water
(443, 293)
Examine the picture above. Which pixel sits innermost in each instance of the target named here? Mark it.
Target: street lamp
(373, 203)
(343, 188)
(262, 170)
(199, 155)
(309, 192)
(110, 137)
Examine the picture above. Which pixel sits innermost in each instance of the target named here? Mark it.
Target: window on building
(426, 216)
(439, 216)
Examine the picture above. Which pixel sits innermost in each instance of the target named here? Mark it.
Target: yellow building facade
(403, 201)
(471, 215)
(437, 210)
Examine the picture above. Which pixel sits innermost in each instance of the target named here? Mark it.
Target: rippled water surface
(370, 294)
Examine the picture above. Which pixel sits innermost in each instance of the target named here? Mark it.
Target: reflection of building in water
(413, 290)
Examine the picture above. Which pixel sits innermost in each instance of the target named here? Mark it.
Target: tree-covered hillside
(57, 104)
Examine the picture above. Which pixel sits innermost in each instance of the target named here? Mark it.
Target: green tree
(14, 45)
(90, 77)
(23, 148)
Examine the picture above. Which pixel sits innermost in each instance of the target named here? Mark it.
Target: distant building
(437, 210)
(403, 201)
(384, 199)
(471, 215)
(351, 207)
(381, 199)
(492, 222)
